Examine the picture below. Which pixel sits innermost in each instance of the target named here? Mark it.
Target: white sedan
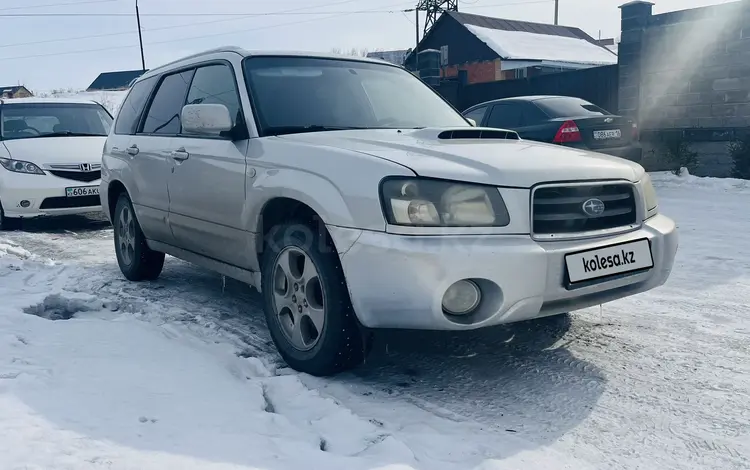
(50, 154)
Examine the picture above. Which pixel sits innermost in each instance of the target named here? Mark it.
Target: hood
(45, 151)
(494, 161)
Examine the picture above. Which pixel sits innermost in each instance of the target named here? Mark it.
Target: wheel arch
(114, 189)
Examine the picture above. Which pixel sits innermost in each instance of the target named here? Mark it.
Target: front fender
(339, 185)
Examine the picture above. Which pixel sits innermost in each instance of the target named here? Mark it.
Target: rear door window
(505, 116)
(132, 107)
(569, 107)
(163, 115)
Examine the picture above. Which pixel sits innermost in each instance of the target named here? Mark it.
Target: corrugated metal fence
(599, 85)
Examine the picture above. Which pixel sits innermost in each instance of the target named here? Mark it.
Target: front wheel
(137, 261)
(306, 302)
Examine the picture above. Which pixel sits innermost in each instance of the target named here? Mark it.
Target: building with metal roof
(114, 80)
(491, 49)
(17, 91)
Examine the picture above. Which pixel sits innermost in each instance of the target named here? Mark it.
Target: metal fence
(598, 85)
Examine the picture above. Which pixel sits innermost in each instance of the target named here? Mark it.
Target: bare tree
(354, 52)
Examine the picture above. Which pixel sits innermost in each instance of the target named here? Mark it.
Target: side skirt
(242, 275)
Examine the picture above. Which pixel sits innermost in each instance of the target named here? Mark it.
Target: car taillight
(568, 132)
(635, 131)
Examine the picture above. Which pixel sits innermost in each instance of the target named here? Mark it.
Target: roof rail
(215, 50)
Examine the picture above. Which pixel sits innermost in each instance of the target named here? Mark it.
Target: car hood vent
(475, 133)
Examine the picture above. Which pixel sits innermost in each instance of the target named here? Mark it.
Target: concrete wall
(687, 71)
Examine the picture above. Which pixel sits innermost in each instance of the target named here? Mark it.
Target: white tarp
(532, 46)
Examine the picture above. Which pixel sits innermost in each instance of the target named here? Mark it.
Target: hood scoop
(474, 133)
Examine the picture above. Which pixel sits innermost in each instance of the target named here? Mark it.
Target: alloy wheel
(126, 236)
(298, 298)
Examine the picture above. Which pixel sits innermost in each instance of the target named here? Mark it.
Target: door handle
(180, 154)
(133, 150)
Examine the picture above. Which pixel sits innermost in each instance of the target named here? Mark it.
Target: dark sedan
(561, 120)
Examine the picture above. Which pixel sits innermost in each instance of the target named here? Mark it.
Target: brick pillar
(635, 17)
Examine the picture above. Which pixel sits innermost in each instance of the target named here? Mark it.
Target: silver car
(354, 197)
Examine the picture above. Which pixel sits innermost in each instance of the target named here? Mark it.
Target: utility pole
(416, 45)
(557, 7)
(140, 36)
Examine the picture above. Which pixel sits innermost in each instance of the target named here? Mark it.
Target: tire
(137, 261)
(323, 336)
(7, 223)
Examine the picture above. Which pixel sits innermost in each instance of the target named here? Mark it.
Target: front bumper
(45, 195)
(398, 281)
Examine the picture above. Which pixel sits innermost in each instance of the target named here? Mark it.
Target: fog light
(461, 298)
(25, 203)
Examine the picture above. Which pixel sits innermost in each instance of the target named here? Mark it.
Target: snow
(98, 372)
(109, 99)
(521, 45)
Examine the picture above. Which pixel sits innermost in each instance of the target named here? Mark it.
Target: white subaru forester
(355, 197)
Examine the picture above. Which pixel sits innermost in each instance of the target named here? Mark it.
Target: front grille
(70, 202)
(558, 210)
(83, 176)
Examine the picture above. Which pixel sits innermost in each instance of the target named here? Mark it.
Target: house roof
(524, 40)
(522, 26)
(114, 80)
(11, 89)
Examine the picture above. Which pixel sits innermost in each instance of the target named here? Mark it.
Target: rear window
(36, 120)
(569, 107)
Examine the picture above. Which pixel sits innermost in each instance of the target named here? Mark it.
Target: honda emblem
(85, 167)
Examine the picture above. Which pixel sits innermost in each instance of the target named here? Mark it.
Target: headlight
(438, 203)
(19, 166)
(649, 194)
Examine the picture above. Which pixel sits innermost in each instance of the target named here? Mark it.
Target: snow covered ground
(97, 372)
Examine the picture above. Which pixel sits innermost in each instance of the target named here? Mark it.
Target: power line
(67, 4)
(240, 17)
(186, 38)
(164, 28)
(235, 14)
(129, 15)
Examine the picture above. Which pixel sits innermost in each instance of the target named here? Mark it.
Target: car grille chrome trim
(83, 177)
(557, 211)
(74, 166)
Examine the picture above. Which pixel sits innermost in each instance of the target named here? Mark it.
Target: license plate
(614, 259)
(610, 134)
(82, 191)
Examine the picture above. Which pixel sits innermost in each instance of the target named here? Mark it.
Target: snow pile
(109, 99)
(521, 45)
(667, 179)
(91, 382)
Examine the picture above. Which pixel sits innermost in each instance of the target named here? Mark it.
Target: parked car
(562, 120)
(50, 154)
(354, 197)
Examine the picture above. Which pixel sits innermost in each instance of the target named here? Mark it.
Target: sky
(69, 42)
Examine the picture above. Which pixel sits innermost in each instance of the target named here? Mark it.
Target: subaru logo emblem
(593, 207)
(85, 167)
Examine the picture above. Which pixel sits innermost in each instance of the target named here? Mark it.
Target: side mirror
(206, 119)
(472, 122)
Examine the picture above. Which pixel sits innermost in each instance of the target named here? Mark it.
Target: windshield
(301, 94)
(35, 120)
(569, 107)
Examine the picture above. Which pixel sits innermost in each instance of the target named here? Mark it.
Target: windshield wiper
(70, 134)
(281, 130)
